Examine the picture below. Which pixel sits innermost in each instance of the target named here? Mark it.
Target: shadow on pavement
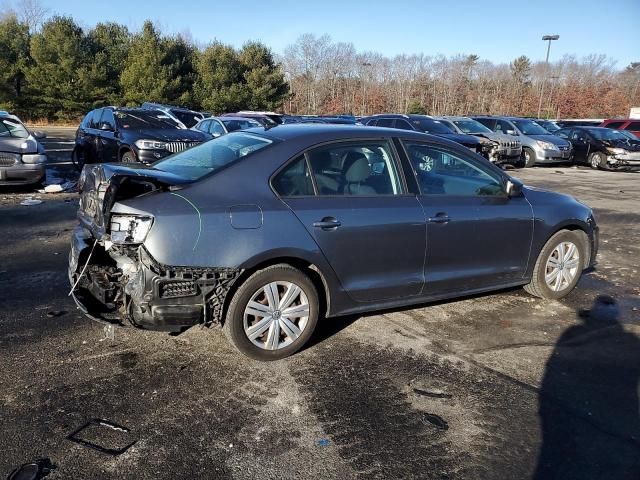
(589, 407)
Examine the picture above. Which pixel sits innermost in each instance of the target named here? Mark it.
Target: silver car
(22, 157)
(538, 145)
(506, 148)
(217, 126)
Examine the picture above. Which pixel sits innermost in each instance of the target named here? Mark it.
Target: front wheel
(528, 157)
(558, 267)
(128, 157)
(598, 160)
(273, 313)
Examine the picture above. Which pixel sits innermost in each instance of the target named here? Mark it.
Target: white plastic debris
(53, 189)
(30, 201)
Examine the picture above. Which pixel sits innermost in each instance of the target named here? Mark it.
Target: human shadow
(588, 403)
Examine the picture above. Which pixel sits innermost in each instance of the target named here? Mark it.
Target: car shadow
(588, 400)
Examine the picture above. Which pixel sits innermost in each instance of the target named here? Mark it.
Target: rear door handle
(440, 218)
(327, 223)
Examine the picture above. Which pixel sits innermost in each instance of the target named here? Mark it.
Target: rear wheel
(273, 313)
(78, 158)
(558, 267)
(598, 160)
(528, 157)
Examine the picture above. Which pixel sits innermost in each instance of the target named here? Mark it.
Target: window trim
(503, 178)
(395, 158)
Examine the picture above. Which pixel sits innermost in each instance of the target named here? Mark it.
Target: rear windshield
(471, 126)
(12, 128)
(431, 126)
(528, 127)
(143, 119)
(213, 155)
(188, 118)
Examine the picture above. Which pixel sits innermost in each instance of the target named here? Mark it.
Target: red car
(628, 124)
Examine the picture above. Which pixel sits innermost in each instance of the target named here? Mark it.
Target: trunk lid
(103, 184)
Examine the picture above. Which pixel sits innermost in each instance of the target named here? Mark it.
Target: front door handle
(440, 218)
(327, 223)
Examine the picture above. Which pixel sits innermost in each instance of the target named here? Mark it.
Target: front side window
(633, 126)
(95, 119)
(12, 128)
(504, 127)
(216, 128)
(203, 126)
(294, 180)
(362, 169)
(614, 124)
(107, 117)
(403, 125)
(385, 122)
(443, 172)
(428, 125)
(212, 156)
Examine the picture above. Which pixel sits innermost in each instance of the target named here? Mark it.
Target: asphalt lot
(470, 389)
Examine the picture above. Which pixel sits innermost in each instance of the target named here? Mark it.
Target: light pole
(546, 38)
(364, 89)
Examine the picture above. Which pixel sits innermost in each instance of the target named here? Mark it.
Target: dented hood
(101, 185)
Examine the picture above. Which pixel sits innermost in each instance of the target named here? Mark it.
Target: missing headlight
(129, 229)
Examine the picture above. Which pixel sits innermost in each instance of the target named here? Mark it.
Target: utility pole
(364, 89)
(546, 38)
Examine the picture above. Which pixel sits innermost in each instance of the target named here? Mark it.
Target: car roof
(333, 131)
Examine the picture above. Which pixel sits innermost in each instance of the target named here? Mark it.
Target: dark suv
(112, 134)
(426, 124)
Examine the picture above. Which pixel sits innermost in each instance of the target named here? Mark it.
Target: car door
(92, 137)
(477, 236)
(371, 231)
(107, 143)
(581, 147)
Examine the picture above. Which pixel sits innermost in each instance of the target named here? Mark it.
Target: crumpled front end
(114, 278)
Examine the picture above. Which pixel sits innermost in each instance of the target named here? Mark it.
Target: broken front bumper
(124, 284)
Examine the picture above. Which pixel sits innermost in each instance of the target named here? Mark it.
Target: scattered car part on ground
(538, 145)
(36, 470)
(601, 147)
(334, 220)
(77, 437)
(22, 156)
(505, 148)
(130, 135)
(183, 117)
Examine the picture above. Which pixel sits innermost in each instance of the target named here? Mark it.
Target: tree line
(332, 77)
(52, 68)
(59, 71)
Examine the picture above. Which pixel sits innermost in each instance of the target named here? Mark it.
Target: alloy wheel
(562, 266)
(276, 315)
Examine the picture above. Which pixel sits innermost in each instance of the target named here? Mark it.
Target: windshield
(239, 124)
(188, 118)
(143, 119)
(528, 127)
(12, 128)
(606, 134)
(549, 126)
(431, 126)
(211, 156)
(629, 135)
(471, 126)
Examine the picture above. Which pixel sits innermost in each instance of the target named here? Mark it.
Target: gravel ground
(500, 386)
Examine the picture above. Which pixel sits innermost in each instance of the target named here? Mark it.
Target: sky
(498, 31)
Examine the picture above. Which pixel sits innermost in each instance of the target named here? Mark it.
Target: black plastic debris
(103, 436)
(55, 313)
(431, 393)
(33, 470)
(435, 420)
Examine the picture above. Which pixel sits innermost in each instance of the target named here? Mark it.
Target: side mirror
(511, 132)
(104, 126)
(38, 135)
(513, 188)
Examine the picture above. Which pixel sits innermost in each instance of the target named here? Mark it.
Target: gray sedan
(22, 157)
(265, 231)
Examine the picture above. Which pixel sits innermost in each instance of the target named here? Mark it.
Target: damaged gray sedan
(265, 230)
(22, 157)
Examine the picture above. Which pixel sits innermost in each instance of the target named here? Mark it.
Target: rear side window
(95, 118)
(361, 168)
(403, 124)
(294, 180)
(385, 122)
(633, 126)
(487, 122)
(614, 124)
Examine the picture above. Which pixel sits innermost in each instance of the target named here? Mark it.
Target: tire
(528, 157)
(255, 289)
(598, 160)
(128, 157)
(561, 287)
(77, 158)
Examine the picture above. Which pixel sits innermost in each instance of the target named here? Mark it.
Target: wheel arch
(125, 148)
(307, 267)
(574, 226)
